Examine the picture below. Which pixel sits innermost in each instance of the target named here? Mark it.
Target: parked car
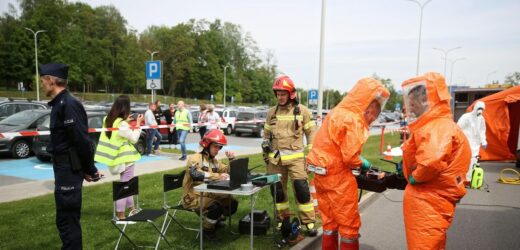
(12, 106)
(251, 121)
(195, 119)
(324, 112)
(28, 120)
(387, 117)
(95, 120)
(228, 117)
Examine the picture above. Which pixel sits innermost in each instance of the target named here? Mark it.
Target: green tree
(104, 54)
(16, 51)
(513, 78)
(394, 96)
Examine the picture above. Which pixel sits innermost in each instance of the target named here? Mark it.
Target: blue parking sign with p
(153, 70)
(313, 94)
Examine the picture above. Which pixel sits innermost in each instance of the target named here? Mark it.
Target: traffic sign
(153, 84)
(153, 75)
(153, 70)
(313, 96)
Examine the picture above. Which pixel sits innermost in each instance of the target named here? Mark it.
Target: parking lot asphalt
(483, 220)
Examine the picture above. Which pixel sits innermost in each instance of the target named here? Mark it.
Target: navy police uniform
(73, 156)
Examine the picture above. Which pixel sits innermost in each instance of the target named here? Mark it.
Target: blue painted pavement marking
(33, 169)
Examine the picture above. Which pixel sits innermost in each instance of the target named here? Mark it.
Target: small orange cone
(388, 153)
(312, 190)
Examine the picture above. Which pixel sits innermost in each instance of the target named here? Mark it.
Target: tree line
(107, 55)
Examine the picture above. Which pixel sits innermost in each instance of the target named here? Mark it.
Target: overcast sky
(361, 37)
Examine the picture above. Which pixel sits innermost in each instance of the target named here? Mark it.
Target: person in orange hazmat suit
(435, 161)
(336, 152)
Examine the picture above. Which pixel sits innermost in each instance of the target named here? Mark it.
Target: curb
(314, 243)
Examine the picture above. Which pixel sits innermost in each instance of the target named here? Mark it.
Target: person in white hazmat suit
(474, 127)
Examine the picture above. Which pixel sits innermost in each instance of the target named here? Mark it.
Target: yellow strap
(289, 117)
(292, 156)
(309, 125)
(309, 207)
(289, 157)
(267, 127)
(282, 206)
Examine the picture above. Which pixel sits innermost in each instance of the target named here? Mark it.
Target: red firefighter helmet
(285, 83)
(213, 136)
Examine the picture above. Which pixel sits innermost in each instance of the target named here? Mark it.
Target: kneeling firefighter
(204, 166)
(285, 126)
(336, 152)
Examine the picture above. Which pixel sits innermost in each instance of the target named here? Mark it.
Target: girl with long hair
(116, 150)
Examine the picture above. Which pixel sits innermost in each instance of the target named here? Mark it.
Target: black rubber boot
(210, 234)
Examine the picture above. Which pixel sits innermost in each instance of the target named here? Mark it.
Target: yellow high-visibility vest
(181, 120)
(116, 150)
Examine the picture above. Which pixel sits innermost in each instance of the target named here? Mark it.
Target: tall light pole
(225, 70)
(490, 73)
(328, 91)
(421, 6)
(322, 52)
(446, 56)
(453, 63)
(37, 77)
(151, 59)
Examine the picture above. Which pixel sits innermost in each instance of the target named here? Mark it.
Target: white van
(227, 117)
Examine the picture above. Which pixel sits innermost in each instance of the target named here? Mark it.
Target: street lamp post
(328, 91)
(321, 62)
(151, 59)
(37, 77)
(453, 63)
(225, 70)
(490, 73)
(421, 6)
(446, 56)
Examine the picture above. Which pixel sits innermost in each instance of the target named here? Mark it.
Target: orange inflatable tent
(502, 116)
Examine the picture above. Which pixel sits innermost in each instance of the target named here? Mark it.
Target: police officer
(286, 125)
(72, 152)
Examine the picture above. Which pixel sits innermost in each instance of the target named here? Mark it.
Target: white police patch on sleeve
(68, 121)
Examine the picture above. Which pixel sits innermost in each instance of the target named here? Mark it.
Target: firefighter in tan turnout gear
(204, 166)
(286, 125)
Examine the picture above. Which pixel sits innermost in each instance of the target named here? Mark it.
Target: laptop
(237, 176)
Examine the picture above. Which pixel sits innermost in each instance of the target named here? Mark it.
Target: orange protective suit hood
(362, 94)
(438, 98)
(344, 131)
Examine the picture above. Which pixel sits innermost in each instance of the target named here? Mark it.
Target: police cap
(55, 69)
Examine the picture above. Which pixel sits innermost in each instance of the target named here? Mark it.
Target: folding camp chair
(173, 182)
(126, 189)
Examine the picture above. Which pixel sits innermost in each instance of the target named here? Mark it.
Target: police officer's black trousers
(67, 195)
